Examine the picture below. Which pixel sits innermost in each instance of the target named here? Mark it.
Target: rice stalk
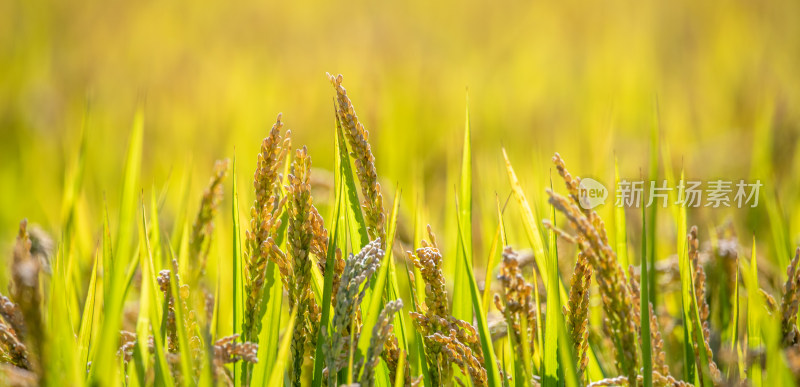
(516, 303)
(658, 380)
(372, 198)
(13, 350)
(615, 291)
(789, 303)
(361, 151)
(12, 332)
(577, 311)
(656, 341)
(299, 237)
(227, 351)
(354, 282)
(437, 326)
(26, 292)
(699, 283)
(381, 333)
(189, 317)
(264, 224)
(203, 227)
(12, 376)
(461, 355)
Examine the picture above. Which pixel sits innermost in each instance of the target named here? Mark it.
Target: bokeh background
(586, 79)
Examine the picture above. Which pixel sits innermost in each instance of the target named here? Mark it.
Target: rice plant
(318, 290)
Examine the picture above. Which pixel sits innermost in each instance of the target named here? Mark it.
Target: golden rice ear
(614, 289)
(789, 303)
(299, 234)
(264, 225)
(227, 350)
(358, 138)
(515, 301)
(203, 226)
(462, 356)
(700, 293)
(578, 310)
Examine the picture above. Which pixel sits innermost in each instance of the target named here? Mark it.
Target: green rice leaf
(276, 376)
(620, 234)
(653, 175)
(490, 360)
(491, 261)
(554, 319)
(358, 227)
(155, 232)
(268, 338)
(399, 379)
(462, 309)
(114, 267)
(150, 310)
(393, 288)
(62, 346)
(644, 294)
(755, 306)
(529, 219)
(734, 321)
(376, 304)
(180, 229)
(130, 185)
(328, 286)
(74, 180)
(530, 223)
(87, 319)
(183, 335)
(686, 290)
(238, 260)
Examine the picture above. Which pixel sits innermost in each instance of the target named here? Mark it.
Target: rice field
(190, 198)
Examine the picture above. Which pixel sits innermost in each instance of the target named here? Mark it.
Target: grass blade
(529, 219)
(358, 227)
(530, 223)
(269, 336)
(276, 376)
(735, 322)
(653, 175)
(151, 309)
(644, 295)
(87, 319)
(127, 209)
(755, 306)
(499, 234)
(554, 319)
(490, 360)
(238, 260)
(682, 251)
(183, 335)
(114, 267)
(328, 286)
(399, 380)
(376, 299)
(394, 289)
(620, 234)
(462, 309)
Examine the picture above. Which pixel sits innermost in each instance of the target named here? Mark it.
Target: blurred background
(586, 79)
